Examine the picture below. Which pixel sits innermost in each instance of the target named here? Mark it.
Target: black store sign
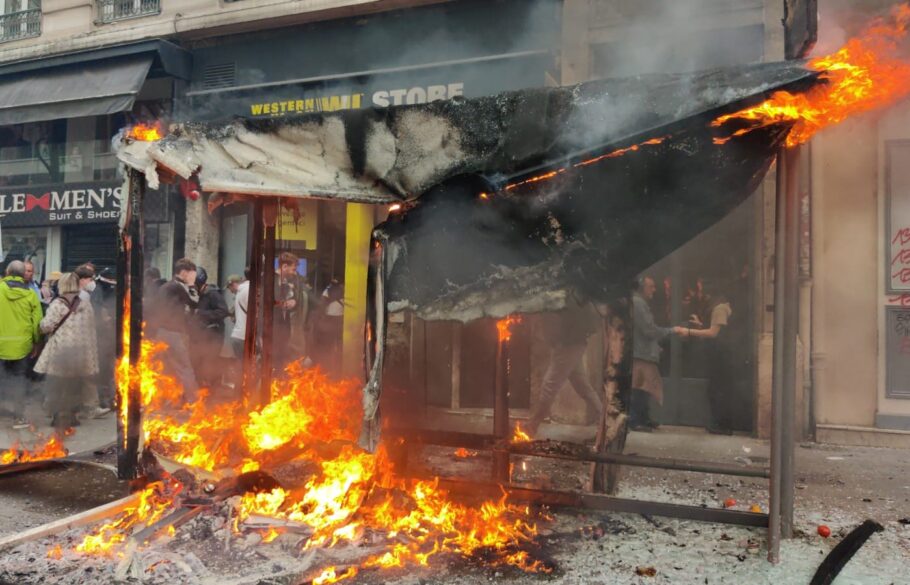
(70, 203)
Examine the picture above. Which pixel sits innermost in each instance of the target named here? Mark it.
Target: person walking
(20, 319)
(207, 332)
(568, 331)
(647, 382)
(70, 357)
(175, 305)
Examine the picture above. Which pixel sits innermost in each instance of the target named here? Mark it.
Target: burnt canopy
(454, 253)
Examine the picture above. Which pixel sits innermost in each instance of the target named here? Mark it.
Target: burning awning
(400, 152)
(94, 89)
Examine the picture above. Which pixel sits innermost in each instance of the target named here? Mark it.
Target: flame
(52, 449)
(865, 74)
(312, 418)
(330, 575)
(504, 327)
(146, 132)
(612, 154)
(55, 553)
(519, 436)
(156, 499)
(463, 453)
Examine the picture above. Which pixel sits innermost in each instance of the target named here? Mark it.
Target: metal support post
(254, 303)
(268, 304)
(501, 411)
(790, 334)
(128, 457)
(780, 238)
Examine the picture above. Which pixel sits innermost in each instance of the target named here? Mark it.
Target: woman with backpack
(70, 356)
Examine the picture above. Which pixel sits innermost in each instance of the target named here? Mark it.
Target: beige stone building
(73, 72)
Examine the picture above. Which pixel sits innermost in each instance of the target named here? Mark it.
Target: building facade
(75, 72)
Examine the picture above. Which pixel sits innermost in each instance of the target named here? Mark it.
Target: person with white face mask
(70, 357)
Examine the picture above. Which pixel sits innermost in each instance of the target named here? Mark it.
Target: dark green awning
(88, 89)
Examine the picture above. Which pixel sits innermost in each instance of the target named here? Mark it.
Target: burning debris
(53, 448)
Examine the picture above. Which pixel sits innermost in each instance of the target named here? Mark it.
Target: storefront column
(203, 237)
(359, 225)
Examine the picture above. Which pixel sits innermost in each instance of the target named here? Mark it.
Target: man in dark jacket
(207, 333)
(174, 308)
(20, 315)
(568, 332)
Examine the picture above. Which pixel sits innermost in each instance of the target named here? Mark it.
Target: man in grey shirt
(647, 335)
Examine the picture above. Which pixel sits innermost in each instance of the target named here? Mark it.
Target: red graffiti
(902, 300)
(902, 275)
(902, 237)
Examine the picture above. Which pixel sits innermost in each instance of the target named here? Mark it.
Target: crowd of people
(57, 338)
(205, 327)
(56, 344)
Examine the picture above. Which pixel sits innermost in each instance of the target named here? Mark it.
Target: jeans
(566, 364)
(177, 359)
(13, 384)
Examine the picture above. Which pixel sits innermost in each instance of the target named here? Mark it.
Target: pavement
(836, 486)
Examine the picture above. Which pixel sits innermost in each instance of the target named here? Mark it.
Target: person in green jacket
(20, 315)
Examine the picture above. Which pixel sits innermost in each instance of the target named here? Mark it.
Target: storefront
(410, 56)
(59, 183)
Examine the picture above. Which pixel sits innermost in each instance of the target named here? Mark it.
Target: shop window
(33, 154)
(24, 244)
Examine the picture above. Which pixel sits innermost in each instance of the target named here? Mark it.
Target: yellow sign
(300, 229)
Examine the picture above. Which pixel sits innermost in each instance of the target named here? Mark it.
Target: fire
(55, 553)
(146, 132)
(504, 327)
(612, 154)
(315, 419)
(865, 74)
(519, 436)
(52, 449)
(153, 502)
(463, 453)
(330, 575)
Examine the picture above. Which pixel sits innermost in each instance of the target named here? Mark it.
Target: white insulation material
(305, 159)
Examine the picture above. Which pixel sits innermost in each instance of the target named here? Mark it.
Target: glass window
(24, 244)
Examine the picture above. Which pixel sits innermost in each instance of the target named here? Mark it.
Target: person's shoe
(21, 423)
(100, 412)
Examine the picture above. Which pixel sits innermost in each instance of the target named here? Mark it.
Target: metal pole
(268, 307)
(253, 303)
(128, 464)
(123, 285)
(501, 411)
(790, 333)
(780, 236)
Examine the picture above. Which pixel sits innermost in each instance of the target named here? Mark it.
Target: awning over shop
(93, 89)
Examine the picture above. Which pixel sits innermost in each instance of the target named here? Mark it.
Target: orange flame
(504, 327)
(146, 132)
(310, 417)
(519, 436)
(55, 553)
(330, 575)
(865, 74)
(153, 502)
(463, 453)
(612, 154)
(52, 449)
